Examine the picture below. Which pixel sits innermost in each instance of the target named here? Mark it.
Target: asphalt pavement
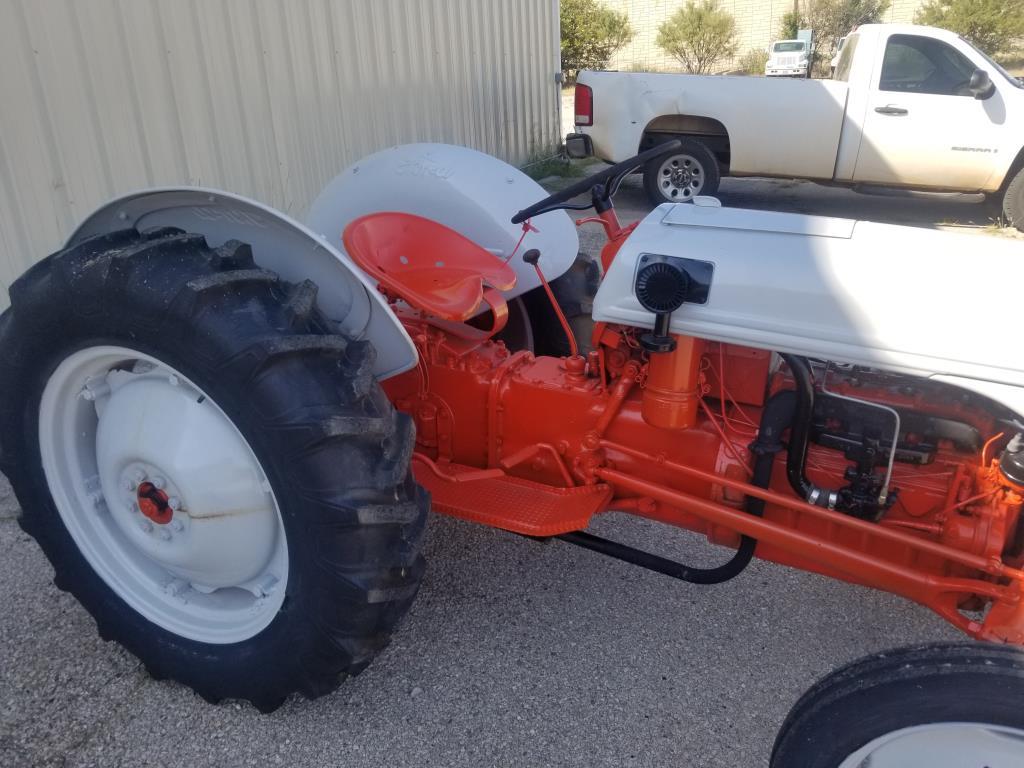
(515, 654)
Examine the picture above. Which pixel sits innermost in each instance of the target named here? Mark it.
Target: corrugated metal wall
(269, 98)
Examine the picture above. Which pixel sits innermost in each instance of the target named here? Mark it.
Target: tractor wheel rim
(680, 178)
(162, 495)
(943, 745)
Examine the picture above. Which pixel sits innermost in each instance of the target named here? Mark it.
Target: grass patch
(555, 165)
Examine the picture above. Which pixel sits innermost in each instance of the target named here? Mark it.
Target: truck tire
(679, 176)
(934, 705)
(1013, 201)
(208, 464)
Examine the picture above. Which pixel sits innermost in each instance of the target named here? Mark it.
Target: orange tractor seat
(431, 267)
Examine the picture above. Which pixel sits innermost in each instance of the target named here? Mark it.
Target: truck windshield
(789, 46)
(1014, 81)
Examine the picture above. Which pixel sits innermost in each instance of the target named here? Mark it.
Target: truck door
(922, 126)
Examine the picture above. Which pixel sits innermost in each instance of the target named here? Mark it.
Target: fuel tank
(934, 304)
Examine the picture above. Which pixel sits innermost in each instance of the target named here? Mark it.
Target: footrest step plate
(510, 503)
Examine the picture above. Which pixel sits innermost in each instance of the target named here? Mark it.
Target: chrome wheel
(680, 178)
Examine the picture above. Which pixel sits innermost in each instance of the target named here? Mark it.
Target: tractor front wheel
(209, 466)
(941, 706)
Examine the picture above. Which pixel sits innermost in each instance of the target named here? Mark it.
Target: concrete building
(269, 99)
(757, 25)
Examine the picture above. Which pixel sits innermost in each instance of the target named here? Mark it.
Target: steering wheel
(601, 186)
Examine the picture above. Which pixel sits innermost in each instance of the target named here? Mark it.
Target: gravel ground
(516, 653)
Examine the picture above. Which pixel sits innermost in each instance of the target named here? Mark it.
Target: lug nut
(165, 535)
(174, 503)
(129, 484)
(139, 476)
(145, 525)
(159, 483)
(178, 526)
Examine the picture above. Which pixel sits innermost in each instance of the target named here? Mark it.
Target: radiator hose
(796, 460)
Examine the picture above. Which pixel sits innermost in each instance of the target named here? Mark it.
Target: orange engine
(878, 479)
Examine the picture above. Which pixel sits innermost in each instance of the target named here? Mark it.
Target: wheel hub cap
(680, 178)
(163, 495)
(154, 504)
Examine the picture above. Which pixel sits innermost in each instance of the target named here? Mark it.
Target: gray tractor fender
(279, 243)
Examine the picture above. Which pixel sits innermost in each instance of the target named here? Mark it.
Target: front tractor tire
(946, 705)
(208, 464)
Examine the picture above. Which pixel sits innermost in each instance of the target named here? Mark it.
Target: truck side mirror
(981, 86)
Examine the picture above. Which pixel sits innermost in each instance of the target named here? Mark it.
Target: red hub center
(154, 504)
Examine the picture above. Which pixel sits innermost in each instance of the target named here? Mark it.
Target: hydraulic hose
(800, 436)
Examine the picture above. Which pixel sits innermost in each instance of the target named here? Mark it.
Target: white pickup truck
(910, 106)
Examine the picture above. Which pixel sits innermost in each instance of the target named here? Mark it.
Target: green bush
(995, 26)
(790, 25)
(752, 62)
(591, 34)
(833, 19)
(699, 35)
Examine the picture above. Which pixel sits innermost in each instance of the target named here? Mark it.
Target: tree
(591, 34)
(833, 19)
(699, 35)
(995, 26)
(790, 25)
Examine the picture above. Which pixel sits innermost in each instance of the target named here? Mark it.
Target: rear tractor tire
(208, 464)
(942, 706)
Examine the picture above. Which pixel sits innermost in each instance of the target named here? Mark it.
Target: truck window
(915, 64)
(789, 46)
(846, 59)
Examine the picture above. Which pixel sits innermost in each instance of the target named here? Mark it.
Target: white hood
(929, 303)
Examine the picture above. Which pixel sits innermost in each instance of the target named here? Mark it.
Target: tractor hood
(924, 302)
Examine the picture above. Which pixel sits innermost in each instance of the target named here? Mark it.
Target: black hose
(800, 437)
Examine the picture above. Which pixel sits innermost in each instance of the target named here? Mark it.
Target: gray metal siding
(268, 98)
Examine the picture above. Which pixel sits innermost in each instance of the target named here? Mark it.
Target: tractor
(225, 428)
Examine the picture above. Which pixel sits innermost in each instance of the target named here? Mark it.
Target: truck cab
(926, 109)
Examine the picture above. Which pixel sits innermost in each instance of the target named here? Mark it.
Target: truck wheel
(679, 176)
(209, 466)
(939, 705)
(1013, 201)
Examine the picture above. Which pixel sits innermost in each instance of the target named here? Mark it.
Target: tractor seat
(429, 266)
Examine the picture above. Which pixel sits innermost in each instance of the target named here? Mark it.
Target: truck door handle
(889, 109)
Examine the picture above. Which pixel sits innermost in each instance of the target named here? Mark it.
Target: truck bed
(776, 127)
